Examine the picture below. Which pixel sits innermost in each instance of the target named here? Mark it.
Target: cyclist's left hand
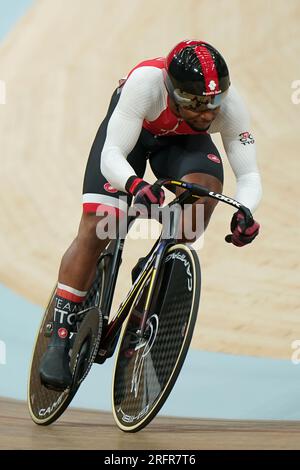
(241, 233)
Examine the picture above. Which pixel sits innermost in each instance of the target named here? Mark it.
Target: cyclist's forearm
(116, 168)
(244, 165)
(249, 190)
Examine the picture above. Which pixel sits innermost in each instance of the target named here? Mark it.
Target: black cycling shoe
(54, 369)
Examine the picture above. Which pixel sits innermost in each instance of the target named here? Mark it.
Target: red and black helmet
(196, 75)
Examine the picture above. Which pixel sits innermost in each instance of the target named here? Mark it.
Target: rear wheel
(45, 405)
(147, 367)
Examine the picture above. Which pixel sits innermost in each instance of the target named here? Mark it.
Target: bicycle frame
(151, 268)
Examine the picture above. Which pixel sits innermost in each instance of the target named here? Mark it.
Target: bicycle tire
(45, 405)
(143, 381)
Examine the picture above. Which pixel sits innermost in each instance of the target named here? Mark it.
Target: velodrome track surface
(82, 429)
(57, 93)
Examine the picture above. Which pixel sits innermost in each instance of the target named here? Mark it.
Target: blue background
(10, 12)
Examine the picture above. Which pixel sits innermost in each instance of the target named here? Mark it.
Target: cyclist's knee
(198, 215)
(90, 230)
(206, 211)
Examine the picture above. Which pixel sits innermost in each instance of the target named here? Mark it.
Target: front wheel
(147, 367)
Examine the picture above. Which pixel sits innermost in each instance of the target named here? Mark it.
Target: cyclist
(164, 111)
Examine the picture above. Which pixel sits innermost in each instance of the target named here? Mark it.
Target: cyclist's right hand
(145, 193)
(241, 233)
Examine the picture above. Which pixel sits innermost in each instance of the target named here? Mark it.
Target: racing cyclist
(164, 112)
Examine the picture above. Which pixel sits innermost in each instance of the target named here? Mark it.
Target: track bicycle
(153, 325)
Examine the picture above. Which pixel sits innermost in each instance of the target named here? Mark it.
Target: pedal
(109, 352)
(101, 356)
(48, 330)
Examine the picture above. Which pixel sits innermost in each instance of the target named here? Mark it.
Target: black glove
(145, 193)
(241, 233)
